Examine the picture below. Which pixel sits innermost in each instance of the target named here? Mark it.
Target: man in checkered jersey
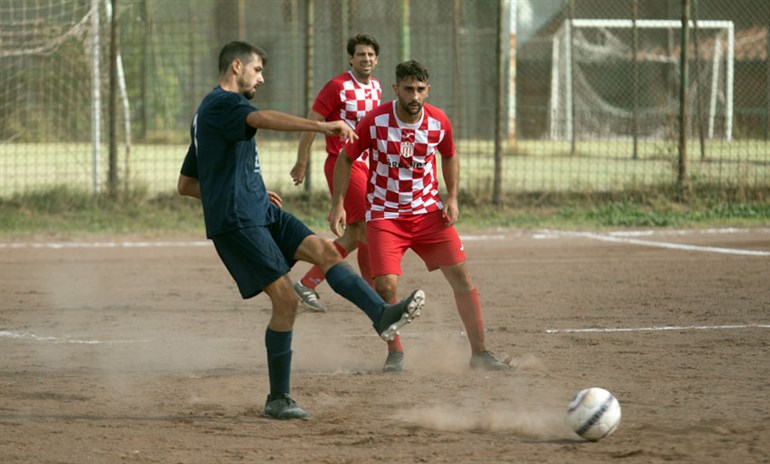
(404, 209)
(347, 97)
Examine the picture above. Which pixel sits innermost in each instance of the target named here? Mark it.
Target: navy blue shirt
(223, 157)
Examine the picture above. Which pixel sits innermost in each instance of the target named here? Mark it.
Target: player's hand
(337, 220)
(298, 173)
(346, 133)
(274, 198)
(450, 212)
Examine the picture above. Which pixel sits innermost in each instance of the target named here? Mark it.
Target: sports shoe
(398, 315)
(394, 362)
(308, 297)
(283, 407)
(487, 361)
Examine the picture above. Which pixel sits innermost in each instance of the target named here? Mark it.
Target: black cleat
(486, 360)
(394, 362)
(398, 315)
(283, 407)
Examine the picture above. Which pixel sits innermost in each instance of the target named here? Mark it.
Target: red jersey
(344, 98)
(403, 180)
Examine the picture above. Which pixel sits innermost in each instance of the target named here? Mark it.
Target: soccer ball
(594, 413)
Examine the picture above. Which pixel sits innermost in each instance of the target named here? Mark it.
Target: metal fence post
(683, 78)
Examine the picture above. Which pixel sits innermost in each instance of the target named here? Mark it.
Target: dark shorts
(258, 256)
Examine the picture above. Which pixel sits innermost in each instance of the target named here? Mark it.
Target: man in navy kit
(256, 240)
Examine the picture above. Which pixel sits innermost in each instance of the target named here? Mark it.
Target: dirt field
(135, 351)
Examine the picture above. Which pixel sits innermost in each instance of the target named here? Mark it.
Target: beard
(246, 90)
(413, 108)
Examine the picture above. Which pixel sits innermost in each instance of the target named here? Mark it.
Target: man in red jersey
(404, 209)
(347, 97)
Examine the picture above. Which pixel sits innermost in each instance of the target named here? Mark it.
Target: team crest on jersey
(407, 143)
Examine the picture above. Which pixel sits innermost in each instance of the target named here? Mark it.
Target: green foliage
(65, 212)
(62, 211)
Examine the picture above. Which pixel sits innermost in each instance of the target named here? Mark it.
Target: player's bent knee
(329, 256)
(318, 251)
(387, 290)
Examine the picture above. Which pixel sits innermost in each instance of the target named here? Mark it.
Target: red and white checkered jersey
(403, 180)
(344, 98)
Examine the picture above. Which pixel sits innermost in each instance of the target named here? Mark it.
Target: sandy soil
(143, 352)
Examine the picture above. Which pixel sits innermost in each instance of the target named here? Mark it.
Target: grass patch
(63, 212)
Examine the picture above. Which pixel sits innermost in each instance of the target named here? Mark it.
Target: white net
(46, 93)
(598, 92)
(45, 60)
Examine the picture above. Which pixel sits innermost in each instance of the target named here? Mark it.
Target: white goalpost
(605, 42)
(55, 74)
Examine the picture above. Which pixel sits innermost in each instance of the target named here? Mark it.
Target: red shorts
(426, 234)
(355, 198)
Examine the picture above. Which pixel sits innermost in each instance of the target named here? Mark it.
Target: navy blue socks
(278, 346)
(345, 282)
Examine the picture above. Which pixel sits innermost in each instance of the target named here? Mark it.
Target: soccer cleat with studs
(395, 316)
(308, 297)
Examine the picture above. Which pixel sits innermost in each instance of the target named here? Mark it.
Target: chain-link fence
(544, 95)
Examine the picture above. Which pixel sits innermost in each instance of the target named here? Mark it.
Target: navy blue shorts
(258, 256)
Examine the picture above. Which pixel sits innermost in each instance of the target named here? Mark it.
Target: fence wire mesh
(544, 95)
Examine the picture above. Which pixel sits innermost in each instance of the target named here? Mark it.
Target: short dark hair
(413, 69)
(363, 39)
(241, 50)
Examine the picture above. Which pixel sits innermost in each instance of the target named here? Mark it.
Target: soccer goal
(607, 83)
(54, 63)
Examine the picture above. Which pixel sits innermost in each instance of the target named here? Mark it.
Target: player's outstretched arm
(303, 151)
(277, 120)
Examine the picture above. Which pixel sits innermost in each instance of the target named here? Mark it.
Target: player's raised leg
(305, 288)
(387, 319)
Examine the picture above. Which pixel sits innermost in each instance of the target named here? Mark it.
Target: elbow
(185, 186)
(181, 186)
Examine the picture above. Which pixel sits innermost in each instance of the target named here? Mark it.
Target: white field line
(142, 244)
(478, 238)
(617, 238)
(163, 244)
(33, 337)
(27, 336)
(658, 328)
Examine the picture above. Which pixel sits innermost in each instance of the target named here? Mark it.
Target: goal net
(45, 95)
(52, 93)
(606, 84)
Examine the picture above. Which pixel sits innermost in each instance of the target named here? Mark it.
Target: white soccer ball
(594, 413)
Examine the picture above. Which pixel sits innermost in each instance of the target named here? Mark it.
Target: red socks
(363, 263)
(469, 307)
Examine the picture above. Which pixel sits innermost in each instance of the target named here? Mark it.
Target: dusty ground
(143, 352)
